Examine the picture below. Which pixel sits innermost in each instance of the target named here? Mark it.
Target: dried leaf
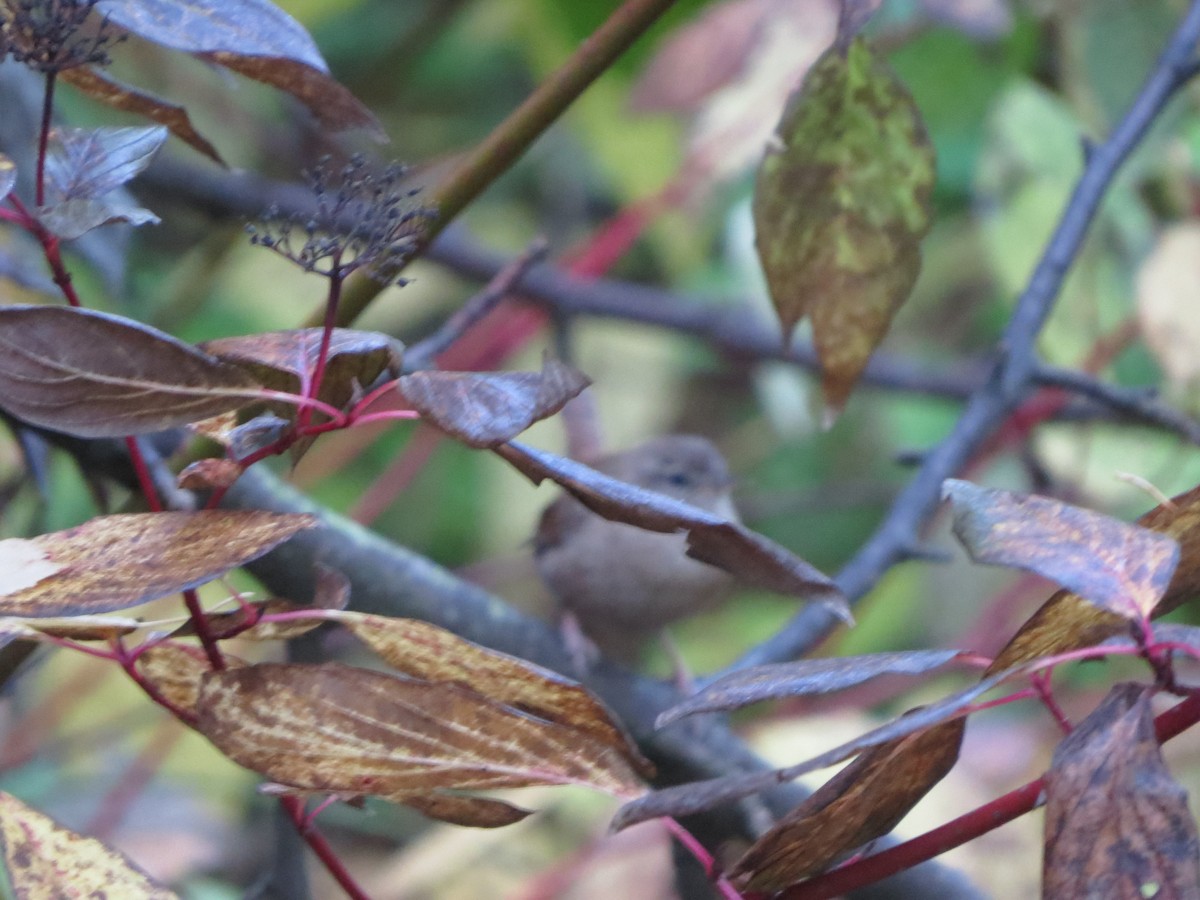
(864, 801)
(1117, 823)
(45, 861)
(175, 671)
(802, 678)
(713, 539)
(93, 374)
(285, 360)
(99, 86)
(1120, 567)
(335, 728)
(701, 795)
(422, 650)
(75, 628)
(114, 562)
(85, 167)
(23, 564)
(485, 409)
(840, 207)
(253, 37)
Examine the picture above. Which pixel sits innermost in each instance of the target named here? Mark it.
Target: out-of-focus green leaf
(840, 206)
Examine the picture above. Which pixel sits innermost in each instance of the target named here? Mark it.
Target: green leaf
(840, 207)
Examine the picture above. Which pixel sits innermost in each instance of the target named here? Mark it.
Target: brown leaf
(801, 678)
(44, 861)
(422, 650)
(840, 206)
(864, 801)
(253, 37)
(335, 728)
(114, 562)
(99, 86)
(1120, 567)
(284, 361)
(175, 671)
(754, 559)
(485, 409)
(701, 795)
(74, 628)
(1067, 622)
(92, 374)
(1117, 823)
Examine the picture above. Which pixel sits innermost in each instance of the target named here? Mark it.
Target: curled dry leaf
(864, 801)
(114, 562)
(92, 374)
(754, 559)
(253, 37)
(840, 206)
(1119, 567)
(44, 861)
(335, 728)
(100, 86)
(1117, 823)
(485, 409)
(802, 678)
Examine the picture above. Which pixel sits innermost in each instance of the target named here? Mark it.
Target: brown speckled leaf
(335, 728)
(114, 562)
(175, 670)
(424, 651)
(92, 374)
(45, 861)
(1117, 823)
(1122, 568)
(864, 801)
(1067, 622)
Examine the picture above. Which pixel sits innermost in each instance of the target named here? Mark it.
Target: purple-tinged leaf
(8, 176)
(87, 163)
(1117, 566)
(803, 678)
(92, 374)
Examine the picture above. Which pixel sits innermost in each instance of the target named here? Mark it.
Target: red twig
(316, 841)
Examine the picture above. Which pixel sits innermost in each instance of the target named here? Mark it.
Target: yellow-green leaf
(840, 207)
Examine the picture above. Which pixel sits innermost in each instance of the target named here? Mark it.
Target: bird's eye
(679, 479)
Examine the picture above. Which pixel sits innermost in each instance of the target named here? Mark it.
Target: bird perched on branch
(624, 584)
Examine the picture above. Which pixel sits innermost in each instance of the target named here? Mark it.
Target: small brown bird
(622, 583)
